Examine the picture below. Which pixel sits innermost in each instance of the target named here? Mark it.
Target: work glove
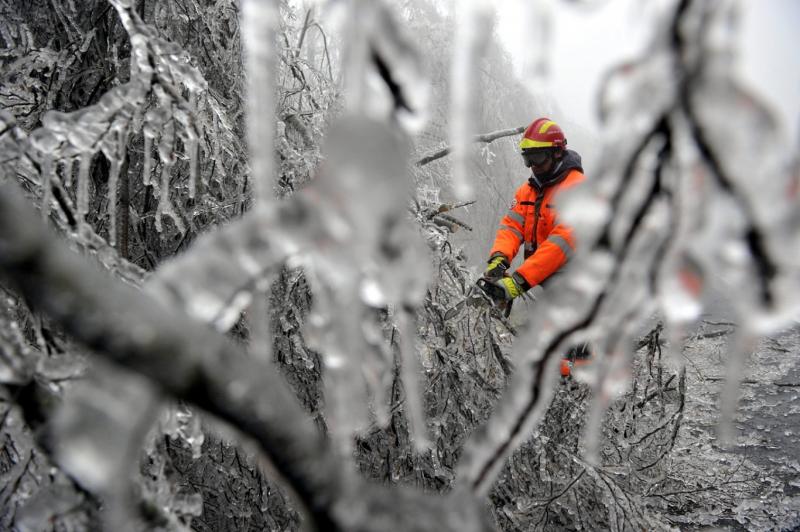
(497, 268)
(510, 287)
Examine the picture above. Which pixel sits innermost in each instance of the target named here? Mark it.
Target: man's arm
(549, 257)
(509, 235)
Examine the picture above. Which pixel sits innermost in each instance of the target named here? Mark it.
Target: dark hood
(570, 161)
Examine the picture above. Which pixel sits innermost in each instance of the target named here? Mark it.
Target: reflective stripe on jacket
(551, 246)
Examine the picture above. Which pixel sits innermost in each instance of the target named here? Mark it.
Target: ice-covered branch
(184, 357)
(485, 138)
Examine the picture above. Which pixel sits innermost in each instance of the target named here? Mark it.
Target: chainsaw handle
(496, 273)
(496, 293)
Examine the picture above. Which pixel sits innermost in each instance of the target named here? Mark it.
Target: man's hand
(510, 287)
(497, 268)
(500, 291)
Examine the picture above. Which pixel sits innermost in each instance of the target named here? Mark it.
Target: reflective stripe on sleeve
(513, 230)
(562, 243)
(517, 217)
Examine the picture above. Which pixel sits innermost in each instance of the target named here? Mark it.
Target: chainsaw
(483, 294)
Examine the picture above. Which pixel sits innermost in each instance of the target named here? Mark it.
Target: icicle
(411, 373)
(613, 378)
(537, 39)
(378, 370)
(193, 145)
(216, 135)
(69, 168)
(165, 207)
(113, 180)
(261, 337)
(472, 37)
(336, 335)
(166, 153)
(117, 156)
(357, 55)
(47, 191)
(259, 29)
(181, 423)
(739, 350)
(166, 144)
(147, 164)
(84, 165)
(163, 198)
(193, 148)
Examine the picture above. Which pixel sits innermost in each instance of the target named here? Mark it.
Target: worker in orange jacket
(532, 222)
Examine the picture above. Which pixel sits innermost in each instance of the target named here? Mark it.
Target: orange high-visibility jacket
(551, 246)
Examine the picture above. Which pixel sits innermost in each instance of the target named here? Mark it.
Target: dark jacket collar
(571, 160)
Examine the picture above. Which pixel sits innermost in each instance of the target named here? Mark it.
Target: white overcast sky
(586, 41)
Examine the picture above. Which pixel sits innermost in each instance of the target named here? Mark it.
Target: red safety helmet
(543, 133)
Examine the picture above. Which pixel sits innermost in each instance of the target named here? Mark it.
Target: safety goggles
(535, 156)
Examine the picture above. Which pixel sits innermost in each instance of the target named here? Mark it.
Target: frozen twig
(485, 138)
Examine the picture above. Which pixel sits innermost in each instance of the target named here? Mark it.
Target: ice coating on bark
(472, 37)
(104, 423)
(85, 130)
